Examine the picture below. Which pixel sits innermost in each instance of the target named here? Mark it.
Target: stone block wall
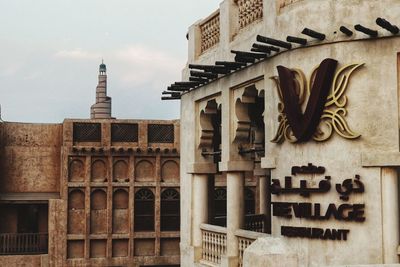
(30, 160)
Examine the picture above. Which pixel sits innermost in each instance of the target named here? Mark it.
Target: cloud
(144, 65)
(10, 69)
(77, 54)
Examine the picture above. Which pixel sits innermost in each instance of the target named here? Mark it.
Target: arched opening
(144, 171)
(99, 171)
(120, 171)
(170, 210)
(170, 171)
(98, 212)
(144, 210)
(76, 171)
(76, 212)
(120, 211)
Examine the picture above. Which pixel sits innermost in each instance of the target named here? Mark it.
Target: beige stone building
(98, 192)
(301, 100)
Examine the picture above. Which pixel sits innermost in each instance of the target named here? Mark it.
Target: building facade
(301, 96)
(98, 192)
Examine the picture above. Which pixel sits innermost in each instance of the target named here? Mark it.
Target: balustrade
(249, 11)
(255, 222)
(210, 31)
(245, 239)
(213, 244)
(23, 243)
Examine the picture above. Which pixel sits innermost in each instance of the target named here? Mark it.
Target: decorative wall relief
(325, 109)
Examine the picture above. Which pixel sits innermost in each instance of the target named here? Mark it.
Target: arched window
(249, 201)
(144, 210)
(170, 210)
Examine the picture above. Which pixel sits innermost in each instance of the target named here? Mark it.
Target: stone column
(235, 214)
(263, 194)
(57, 232)
(200, 210)
(390, 215)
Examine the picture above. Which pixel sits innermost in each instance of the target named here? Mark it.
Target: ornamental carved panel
(210, 32)
(249, 11)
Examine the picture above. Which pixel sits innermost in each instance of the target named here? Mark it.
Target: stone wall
(30, 160)
(24, 261)
(108, 170)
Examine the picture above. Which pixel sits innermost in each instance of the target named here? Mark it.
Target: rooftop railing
(249, 11)
(210, 31)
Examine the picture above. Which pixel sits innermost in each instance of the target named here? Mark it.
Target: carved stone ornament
(325, 109)
(207, 110)
(243, 97)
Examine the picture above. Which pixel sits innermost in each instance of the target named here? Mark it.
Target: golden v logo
(325, 109)
(304, 125)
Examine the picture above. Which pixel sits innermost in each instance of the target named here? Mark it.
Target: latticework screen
(160, 133)
(124, 132)
(87, 132)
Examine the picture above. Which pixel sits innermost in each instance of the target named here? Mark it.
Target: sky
(50, 51)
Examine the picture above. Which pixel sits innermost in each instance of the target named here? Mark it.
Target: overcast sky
(50, 51)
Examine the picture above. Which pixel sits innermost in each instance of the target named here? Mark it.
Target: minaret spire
(102, 108)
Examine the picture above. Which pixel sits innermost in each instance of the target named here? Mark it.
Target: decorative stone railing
(249, 11)
(210, 31)
(254, 222)
(213, 244)
(23, 243)
(245, 239)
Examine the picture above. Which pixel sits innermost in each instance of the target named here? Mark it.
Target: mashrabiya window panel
(160, 133)
(144, 210)
(86, 132)
(124, 132)
(170, 210)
